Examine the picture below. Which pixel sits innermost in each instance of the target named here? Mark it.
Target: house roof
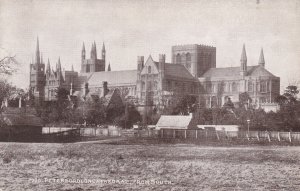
(125, 77)
(174, 121)
(254, 71)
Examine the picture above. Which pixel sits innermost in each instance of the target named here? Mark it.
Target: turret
(243, 69)
(37, 52)
(108, 68)
(58, 70)
(103, 52)
(95, 50)
(83, 52)
(48, 70)
(261, 60)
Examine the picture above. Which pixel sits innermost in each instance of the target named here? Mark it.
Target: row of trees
(92, 111)
(287, 118)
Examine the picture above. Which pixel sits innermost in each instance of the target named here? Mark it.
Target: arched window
(149, 69)
(188, 60)
(178, 59)
(143, 86)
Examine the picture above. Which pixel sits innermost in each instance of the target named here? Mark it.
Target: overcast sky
(133, 27)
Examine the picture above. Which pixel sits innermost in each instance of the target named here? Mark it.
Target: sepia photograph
(149, 95)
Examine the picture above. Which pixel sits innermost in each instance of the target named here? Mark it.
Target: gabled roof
(125, 77)
(111, 96)
(174, 121)
(177, 71)
(254, 71)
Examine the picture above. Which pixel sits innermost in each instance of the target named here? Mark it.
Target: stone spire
(261, 60)
(72, 69)
(83, 52)
(95, 50)
(37, 52)
(48, 70)
(108, 68)
(103, 52)
(59, 64)
(243, 69)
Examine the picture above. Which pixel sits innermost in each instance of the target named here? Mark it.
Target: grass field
(48, 166)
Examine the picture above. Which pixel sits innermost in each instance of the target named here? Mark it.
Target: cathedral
(153, 84)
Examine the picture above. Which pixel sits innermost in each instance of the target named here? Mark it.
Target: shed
(176, 122)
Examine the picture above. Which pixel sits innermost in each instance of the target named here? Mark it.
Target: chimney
(104, 89)
(86, 89)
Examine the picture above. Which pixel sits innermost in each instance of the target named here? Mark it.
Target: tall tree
(7, 65)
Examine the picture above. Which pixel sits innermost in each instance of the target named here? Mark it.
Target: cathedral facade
(154, 83)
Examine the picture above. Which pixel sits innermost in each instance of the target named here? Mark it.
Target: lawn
(96, 166)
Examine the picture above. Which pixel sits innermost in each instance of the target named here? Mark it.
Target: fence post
(290, 136)
(217, 135)
(174, 135)
(258, 135)
(196, 134)
(226, 135)
(269, 138)
(206, 133)
(162, 133)
(185, 133)
(278, 136)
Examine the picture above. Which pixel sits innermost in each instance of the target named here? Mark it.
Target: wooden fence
(223, 135)
(190, 134)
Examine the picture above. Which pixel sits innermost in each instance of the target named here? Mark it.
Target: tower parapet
(196, 58)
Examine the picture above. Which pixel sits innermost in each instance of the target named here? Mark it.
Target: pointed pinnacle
(244, 56)
(261, 57)
(83, 47)
(103, 47)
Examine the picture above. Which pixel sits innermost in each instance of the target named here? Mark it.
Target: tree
(181, 105)
(244, 100)
(7, 65)
(90, 111)
(5, 90)
(289, 112)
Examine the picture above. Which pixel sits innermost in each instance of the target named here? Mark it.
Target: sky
(132, 28)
